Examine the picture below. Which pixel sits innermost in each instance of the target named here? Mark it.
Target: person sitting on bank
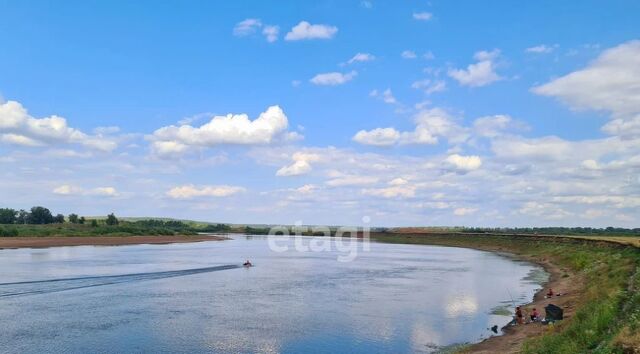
(550, 293)
(535, 315)
(519, 315)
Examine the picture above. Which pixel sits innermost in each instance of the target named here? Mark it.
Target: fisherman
(534, 315)
(247, 264)
(519, 315)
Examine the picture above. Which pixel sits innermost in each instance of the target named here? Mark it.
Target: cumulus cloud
(430, 124)
(479, 74)
(71, 190)
(333, 78)
(378, 137)
(464, 163)
(17, 127)
(270, 126)
(422, 16)
(301, 164)
(361, 57)
(610, 83)
(190, 191)
(305, 30)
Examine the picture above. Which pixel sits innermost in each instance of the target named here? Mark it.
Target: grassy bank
(67, 229)
(608, 317)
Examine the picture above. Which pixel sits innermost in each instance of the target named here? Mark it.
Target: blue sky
(493, 113)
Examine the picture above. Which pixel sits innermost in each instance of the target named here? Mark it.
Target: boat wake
(56, 285)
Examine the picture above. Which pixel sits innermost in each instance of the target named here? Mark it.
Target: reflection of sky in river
(395, 298)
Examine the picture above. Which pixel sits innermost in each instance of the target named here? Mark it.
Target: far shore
(60, 241)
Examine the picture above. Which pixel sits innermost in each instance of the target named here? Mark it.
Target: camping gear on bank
(554, 313)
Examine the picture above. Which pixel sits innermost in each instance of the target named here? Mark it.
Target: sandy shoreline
(59, 241)
(561, 280)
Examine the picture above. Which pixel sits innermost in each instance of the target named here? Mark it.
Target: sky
(412, 113)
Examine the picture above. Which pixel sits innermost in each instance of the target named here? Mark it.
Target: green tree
(112, 220)
(40, 215)
(22, 217)
(94, 223)
(58, 219)
(82, 220)
(73, 218)
(8, 216)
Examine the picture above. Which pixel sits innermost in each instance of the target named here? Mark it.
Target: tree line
(39, 215)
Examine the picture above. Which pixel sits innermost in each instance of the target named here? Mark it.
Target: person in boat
(534, 315)
(519, 315)
(247, 264)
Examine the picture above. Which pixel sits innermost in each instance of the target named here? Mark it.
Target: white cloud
(251, 25)
(301, 164)
(306, 189)
(386, 96)
(422, 16)
(430, 124)
(361, 57)
(271, 33)
(398, 182)
(333, 78)
(493, 126)
(305, 30)
(69, 190)
(190, 191)
(17, 127)
(408, 54)
(464, 211)
(545, 148)
(625, 128)
(464, 163)
(398, 191)
(247, 27)
(429, 86)
(351, 180)
(479, 74)
(377, 137)
(540, 49)
(269, 127)
(610, 83)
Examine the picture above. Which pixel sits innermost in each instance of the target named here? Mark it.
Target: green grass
(67, 229)
(608, 317)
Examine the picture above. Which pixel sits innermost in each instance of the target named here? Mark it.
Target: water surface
(195, 297)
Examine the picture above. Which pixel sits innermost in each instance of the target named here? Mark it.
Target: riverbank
(602, 305)
(58, 241)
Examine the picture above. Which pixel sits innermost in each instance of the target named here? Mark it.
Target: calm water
(194, 298)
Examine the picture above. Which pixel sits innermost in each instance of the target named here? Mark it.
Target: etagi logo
(347, 241)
